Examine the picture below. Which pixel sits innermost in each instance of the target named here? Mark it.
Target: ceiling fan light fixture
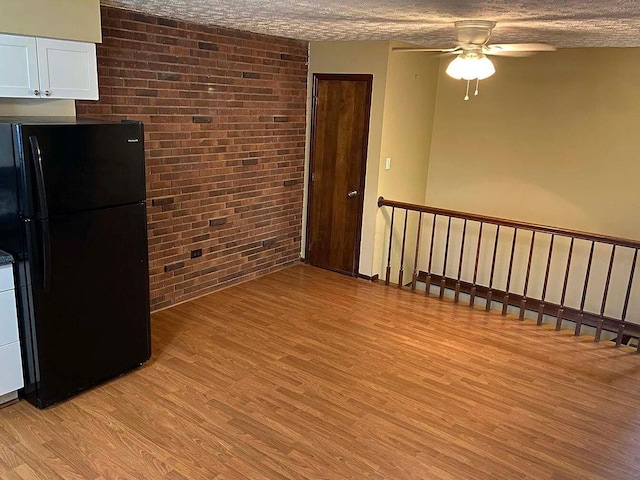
(470, 66)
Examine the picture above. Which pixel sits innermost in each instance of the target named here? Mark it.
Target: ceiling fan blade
(446, 54)
(518, 47)
(420, 49)
(507, 53)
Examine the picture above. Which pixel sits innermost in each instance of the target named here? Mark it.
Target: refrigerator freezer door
(92, 322)
(10, 239)
(76, 167)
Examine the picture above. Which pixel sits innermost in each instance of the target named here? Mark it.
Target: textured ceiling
(588, 23)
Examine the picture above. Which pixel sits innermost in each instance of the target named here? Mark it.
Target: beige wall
(64, 19)
(355, 57)
(411, 86)
(22, 107)
(551, 139)
(410, 97)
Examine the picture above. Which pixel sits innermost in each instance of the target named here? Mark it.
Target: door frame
(363, 161)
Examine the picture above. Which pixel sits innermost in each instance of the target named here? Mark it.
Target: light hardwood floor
(306, 374)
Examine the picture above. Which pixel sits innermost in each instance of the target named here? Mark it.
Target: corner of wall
(411, 91)
(434, 114)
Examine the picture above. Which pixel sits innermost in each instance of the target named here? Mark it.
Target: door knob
(47, 93)
(36, 92)
(352, 194)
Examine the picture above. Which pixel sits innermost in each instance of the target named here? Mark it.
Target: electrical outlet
(387, 163)
(196, 253)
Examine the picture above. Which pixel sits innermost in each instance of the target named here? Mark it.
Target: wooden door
(339, 137)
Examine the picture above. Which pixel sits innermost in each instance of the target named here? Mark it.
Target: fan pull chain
(477, 85)
(466, 97)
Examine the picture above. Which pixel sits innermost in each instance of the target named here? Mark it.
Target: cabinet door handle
(47, 93)
(36, 92)
(352, 194)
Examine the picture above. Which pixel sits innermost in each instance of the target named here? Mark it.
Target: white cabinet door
(8, 318)
(18, 67)
(67, 69)
(6, 277)
(10, 368)
(10, 359)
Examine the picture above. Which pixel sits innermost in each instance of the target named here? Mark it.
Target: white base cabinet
(11, 378)
(47, 68)
(11, 371)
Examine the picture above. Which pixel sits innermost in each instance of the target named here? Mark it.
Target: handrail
(523, 296)
(625, 242)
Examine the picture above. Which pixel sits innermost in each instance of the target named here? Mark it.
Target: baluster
(404, 242)
(493, 269)
(415, 262)
(443, 280)
(546, 282)
(523, 303)
(585, 287)
(475, 269)
(605, 295)
(388, 275)
(433, 236)
(505, 300)
(464, 232)
(626, 302)
(564, 288)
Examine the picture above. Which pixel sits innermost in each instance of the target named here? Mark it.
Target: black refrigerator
(73, 214)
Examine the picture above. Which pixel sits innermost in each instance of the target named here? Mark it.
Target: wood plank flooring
(306, 374)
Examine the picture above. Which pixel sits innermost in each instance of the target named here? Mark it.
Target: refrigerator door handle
(42, 274)
(36, 156)
(46, 256)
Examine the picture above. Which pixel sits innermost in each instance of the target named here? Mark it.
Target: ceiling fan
(473, 47)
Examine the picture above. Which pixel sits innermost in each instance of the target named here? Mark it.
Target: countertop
(5, 258)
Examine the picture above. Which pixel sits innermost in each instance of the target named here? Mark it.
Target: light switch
(387, 163)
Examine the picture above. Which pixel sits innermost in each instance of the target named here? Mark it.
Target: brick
(249, 161)
(166, 22)
(216, 222)
(280, 119)
(173, 266)
(201, 119)
(208, 46)
(172, 77)
(162, 201)
(250, 75)
(293, 58)
(291, 183)
(268, 243)
(146, 92)
(139, 17)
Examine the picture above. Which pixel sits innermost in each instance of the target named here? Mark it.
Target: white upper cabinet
(18, 67)
(47, 68)
(67, 69)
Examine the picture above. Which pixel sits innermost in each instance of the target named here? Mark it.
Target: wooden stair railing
(525, 299)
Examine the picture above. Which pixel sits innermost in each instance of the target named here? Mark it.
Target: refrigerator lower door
(90, 299)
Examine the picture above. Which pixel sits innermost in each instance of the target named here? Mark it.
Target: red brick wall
(224, 116)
